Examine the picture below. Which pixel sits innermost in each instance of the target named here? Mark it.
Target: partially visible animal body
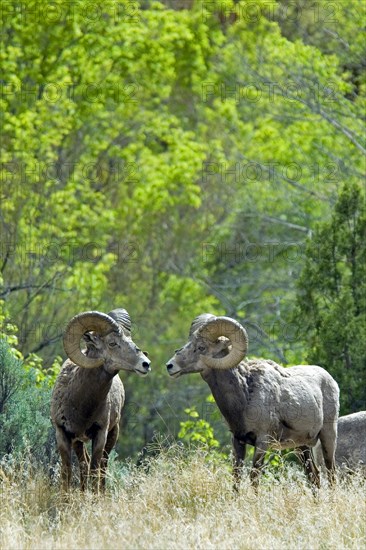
(88, 395)
(350, 454)
(264, 404)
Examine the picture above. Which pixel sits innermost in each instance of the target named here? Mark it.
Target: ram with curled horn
(88, 395)
(264, 404)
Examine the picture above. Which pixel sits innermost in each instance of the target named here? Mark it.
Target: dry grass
(181, 502)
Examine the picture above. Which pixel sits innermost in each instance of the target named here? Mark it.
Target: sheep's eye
(112, 344)
(201, 348)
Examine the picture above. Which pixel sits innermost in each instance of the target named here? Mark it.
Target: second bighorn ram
(88, 395)
(264, 404)
(350, 454)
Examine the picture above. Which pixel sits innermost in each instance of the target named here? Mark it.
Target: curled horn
(88, 321)
(224, 326)
(121, 316)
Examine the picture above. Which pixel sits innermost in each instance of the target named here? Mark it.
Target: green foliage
(32, 364)
(7, 329)
(199, 433)
(332, 297)
(9, 374)
(44, 378)
(25, 427)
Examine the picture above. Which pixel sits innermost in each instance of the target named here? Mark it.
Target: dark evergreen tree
(332, 297)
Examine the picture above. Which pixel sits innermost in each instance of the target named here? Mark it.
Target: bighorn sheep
(350, 452)
(88, 395)
(264, 404)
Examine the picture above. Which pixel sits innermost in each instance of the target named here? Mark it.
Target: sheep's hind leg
(98, 444)
(84, 462)
(258, 459)
(328, 440)
(110, 443)
(64, 448)
(311, 470)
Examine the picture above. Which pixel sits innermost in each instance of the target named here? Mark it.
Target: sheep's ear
(91, 340)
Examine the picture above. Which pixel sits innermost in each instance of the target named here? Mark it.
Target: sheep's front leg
(239, 450)
(258, 459)
(98, 445)
(64, 448)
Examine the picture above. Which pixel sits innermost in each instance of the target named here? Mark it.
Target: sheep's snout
(172, 368)
(144, 366)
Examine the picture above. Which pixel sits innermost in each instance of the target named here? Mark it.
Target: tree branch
(15, 288)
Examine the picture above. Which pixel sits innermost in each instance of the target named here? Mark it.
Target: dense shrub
(25, 427)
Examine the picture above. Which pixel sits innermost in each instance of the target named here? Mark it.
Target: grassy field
(181, 501)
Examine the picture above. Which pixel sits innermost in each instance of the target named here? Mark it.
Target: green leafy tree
(332, 297)
(290, 111)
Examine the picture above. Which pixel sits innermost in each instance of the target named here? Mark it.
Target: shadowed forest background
(175, 158)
